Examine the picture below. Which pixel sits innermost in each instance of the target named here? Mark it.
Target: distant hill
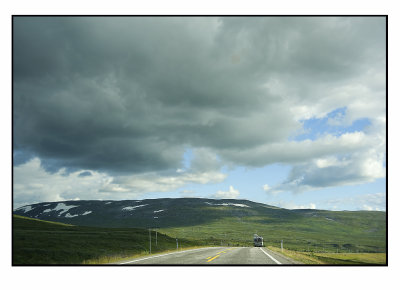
(165, 212)
(227, 221)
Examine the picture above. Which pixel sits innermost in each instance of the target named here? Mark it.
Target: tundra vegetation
(109, 233)
(41, 242)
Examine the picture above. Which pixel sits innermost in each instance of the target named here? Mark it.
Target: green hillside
(41, 242)
(302, 230)
(227, 222)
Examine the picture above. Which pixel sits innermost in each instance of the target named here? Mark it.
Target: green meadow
(327, 231)
(313, 236)
(334, 258)
(37, 242)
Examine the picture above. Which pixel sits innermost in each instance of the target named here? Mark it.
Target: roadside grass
(333, 258)
(356, 258)
(297, 256)
(46, 243)
(204, 223)
(301, 235)
(310, 239)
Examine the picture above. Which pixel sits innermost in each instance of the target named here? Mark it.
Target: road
(214, 256)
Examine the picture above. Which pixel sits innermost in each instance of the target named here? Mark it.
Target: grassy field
(334, 258)
(305, 234)
(214, 222)
(310, 234)
(41, 242)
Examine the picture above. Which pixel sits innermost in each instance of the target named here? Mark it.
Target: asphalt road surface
(215, 255)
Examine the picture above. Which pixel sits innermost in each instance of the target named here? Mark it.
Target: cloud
(204, 160)
(368, 201)
(126, 97)
(188, 193)
(151, 182)
(230, 194)
(351, 169)
(33, 184)
(298, 151)
(266, 187)
(128, 94)
(292, 205)
(85, 173)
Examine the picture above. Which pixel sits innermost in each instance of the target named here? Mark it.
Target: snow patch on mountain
(228, 204)
(133, 207)
(70, 215)
(25, 208)
(62, 207)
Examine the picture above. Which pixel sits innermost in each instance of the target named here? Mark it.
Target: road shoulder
(283, 256)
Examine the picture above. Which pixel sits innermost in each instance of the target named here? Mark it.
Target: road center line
(218, 254)
(213, 258)
(273, 259)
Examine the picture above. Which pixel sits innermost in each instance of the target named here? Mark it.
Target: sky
(287, 111)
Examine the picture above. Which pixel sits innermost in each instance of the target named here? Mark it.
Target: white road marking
(273, 259)
(133, 261)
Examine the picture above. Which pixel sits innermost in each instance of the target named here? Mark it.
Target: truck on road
(258, 241)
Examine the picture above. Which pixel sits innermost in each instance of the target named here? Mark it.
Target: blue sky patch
(314, 128)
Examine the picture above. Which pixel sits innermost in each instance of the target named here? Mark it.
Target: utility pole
(282, 245)
(176, 243)
(156, 238)
(150, 239)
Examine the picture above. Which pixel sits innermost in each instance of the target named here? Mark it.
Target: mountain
(165, 212)
(229, 221)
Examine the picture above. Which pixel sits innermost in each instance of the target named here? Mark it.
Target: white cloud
(33, 184)
(367, 207)
(188, 193)
(368, 201)
(230, 194)
(347, 169)
(292, 205)
(299, 151)
(266, 187)
(151, 182)
(328, 162)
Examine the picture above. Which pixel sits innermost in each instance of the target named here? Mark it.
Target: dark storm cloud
(129, 95)
(85, 173)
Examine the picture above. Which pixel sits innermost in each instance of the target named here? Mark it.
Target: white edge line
(133, 261)
(273, 259)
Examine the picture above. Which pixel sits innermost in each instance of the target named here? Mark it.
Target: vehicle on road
(258, 241)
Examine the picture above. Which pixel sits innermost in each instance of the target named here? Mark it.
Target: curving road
(214, 256)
